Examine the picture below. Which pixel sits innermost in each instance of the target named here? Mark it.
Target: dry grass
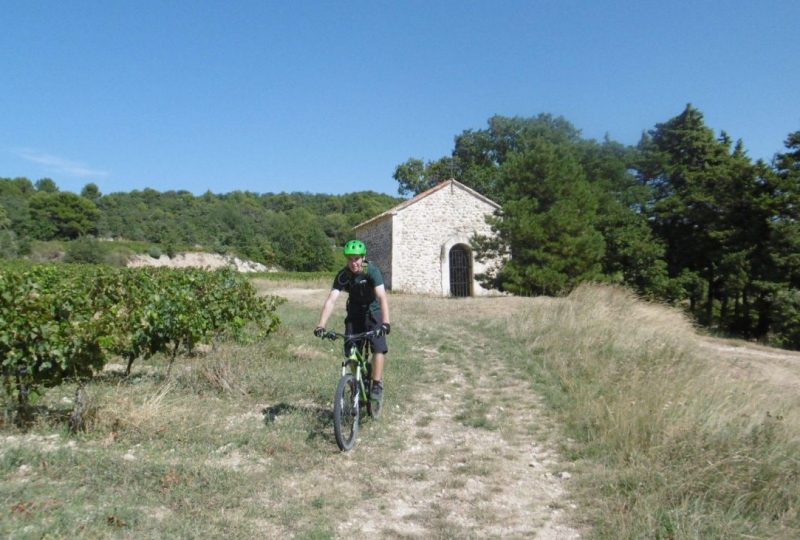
(670, 443)
(127, 410)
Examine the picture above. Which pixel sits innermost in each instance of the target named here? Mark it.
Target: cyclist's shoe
(377, 391)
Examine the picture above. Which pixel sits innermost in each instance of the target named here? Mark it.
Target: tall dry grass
(671, 443)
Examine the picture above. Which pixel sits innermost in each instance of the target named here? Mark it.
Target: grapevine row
(65, 321)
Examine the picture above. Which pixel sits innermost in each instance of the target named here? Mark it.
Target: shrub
(85, 249)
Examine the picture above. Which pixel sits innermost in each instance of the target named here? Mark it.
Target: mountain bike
(353, 391)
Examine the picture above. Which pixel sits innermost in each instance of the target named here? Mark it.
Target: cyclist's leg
(377, 367)
(379, 348)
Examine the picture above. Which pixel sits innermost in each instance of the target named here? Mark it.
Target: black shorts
(356, 323)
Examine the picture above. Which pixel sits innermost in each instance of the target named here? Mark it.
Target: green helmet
(355, 247)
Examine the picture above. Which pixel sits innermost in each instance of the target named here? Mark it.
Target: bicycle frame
(351, 387)
(358, 361)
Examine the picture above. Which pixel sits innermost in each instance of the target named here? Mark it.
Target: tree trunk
(76, 420)
(130, 364)
(710, 296)
(172, 358)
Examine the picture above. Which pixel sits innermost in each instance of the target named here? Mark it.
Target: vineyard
(64, 322)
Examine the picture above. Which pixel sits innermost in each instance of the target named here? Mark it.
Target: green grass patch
(476, 414)
(296, 276)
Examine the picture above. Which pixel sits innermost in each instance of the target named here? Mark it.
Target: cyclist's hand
(384, 329)
(319, 331)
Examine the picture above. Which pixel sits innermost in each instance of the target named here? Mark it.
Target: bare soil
(197, 260)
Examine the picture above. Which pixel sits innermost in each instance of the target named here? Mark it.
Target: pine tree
(546, 224)
(688, 170)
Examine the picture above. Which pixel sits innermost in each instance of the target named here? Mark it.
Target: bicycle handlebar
(332, 335)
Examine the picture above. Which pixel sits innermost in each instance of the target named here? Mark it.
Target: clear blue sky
(329, 96)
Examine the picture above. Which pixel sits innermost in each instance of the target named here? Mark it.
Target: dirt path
(470, 463)
(775, 367)
(470, 459)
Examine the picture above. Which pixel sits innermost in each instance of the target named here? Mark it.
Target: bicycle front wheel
(346, 413)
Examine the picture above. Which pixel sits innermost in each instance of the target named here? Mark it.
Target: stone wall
(378, 238)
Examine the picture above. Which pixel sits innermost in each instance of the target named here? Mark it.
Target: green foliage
(47, 251)
(295, 231)
(547, 222)
(61, 215)
(64, 321)
(571, 207)
(8, 240)
(725, 221)
(14, 195)
(785, 314)
(415, 176)
(684, 163)
(633, 255)
(685, 216)
(8, 244)
(50, 329)
(171, 310)
(784, 227)
(411, 177)
(46, 185)
(85, 249)
(303, 246)
(91, 191)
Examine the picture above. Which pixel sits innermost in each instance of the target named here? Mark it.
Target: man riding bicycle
(367, 307)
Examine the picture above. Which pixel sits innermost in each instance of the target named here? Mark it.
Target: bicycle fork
(354, 367)
(350, 365)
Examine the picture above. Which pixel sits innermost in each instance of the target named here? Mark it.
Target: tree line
(685, 216)
(294, 231)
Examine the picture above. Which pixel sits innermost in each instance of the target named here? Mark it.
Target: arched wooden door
(460, 271)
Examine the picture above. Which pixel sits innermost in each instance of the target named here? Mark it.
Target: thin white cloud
(58, 165)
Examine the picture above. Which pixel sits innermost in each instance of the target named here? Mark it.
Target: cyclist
(367, 307)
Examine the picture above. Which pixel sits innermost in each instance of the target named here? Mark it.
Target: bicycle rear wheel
(346, 412)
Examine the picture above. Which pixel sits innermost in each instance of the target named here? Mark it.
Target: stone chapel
(422, 245)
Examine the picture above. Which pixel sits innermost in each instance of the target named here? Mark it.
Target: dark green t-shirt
(360, 287)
